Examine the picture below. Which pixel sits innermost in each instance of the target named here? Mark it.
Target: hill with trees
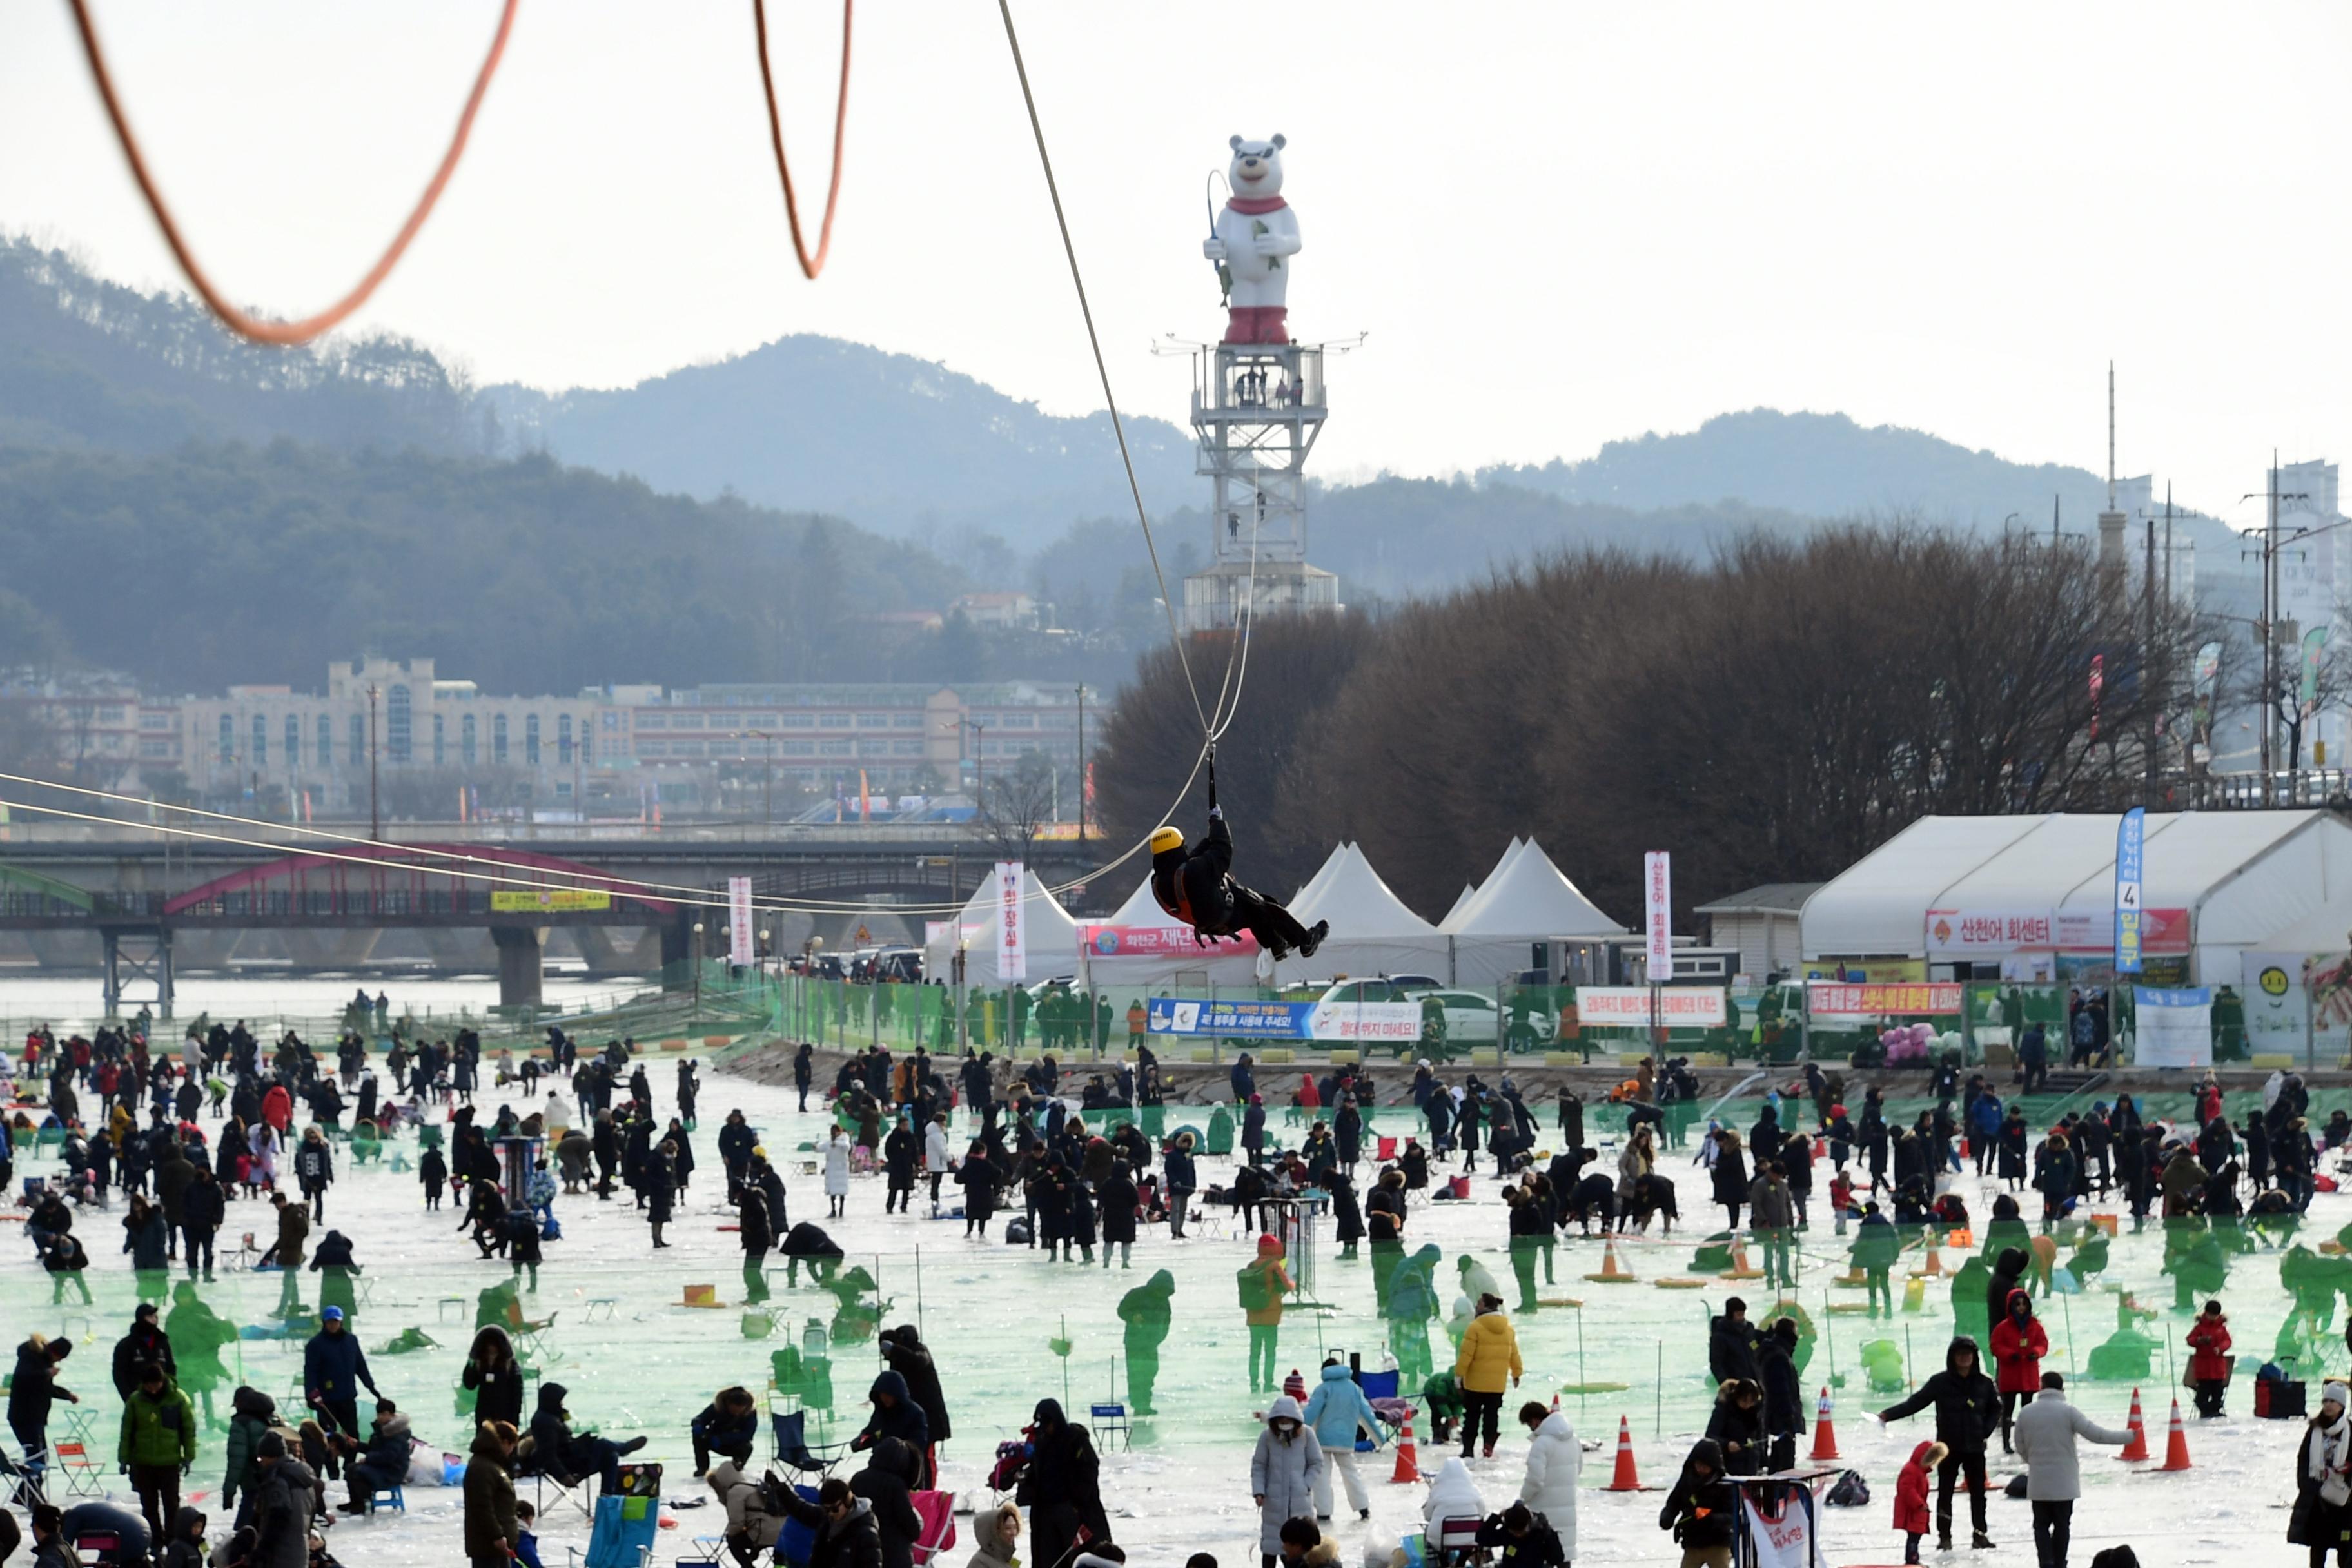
(208, 565)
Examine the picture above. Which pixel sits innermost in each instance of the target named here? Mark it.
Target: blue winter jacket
(1985, 1116)
(1336, 1408)
(334, 1367)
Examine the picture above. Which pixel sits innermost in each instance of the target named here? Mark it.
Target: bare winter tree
(1014, 805)
(1152, 737)
(1771, 716)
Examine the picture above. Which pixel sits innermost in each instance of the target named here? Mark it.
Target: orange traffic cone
(1740, 1268)
(1613, 1270)
(1625, 1479)
(1824, 1432)
(1934, 1268)
(2176, 1446)
(1408, 1465)
(2137, 1447)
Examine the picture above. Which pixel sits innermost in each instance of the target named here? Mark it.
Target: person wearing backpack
(1263, 1283)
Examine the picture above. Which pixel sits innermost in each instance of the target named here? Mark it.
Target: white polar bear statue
(1255, 235)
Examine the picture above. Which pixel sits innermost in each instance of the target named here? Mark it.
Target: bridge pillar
(148, 957)
(676, 948)
(519, 970)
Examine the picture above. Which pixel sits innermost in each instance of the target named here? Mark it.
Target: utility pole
(2147, 665)
(375, 822)
(2270, 554)
(1082, 765)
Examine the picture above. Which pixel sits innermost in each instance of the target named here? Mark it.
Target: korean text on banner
(1628, 1007)
(1780, 1533)
(2130, 839)
(1838, 999)
(506, 903)
(1157, 942)
(2175, 1028)
(742, 951)
(1988, 932)
(1011, 921)
(1658, 915)
(1392, 1021)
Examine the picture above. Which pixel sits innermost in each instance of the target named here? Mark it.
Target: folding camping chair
(23, 1487)
(533, 1336)
(1457, 1541)
(579, 1492)
(793, 1450)
(72, 1457)
(1110, 1420)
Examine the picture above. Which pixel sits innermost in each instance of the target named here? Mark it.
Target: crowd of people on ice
(1075, 1187)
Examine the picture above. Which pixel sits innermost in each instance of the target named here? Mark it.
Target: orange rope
(252, 327)
(810, 265)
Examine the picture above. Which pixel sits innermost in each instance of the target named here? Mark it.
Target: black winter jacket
(1967, 1405)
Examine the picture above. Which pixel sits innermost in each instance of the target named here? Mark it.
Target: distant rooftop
(1772, 897)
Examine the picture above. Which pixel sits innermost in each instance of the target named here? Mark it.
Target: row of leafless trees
(1770, 716)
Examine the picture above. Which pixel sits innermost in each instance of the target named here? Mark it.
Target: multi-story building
(444, 746)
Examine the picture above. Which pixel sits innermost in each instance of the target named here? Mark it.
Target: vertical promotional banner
(2314, 653)
(1011, 933)
(1658, 919)
(2129, 837)
(741, 950)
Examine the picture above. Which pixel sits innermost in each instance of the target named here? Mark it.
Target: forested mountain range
(378, 463)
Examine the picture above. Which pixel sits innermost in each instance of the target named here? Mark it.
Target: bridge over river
(135, 903)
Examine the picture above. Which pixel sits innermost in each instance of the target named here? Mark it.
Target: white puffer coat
(1554, 1463)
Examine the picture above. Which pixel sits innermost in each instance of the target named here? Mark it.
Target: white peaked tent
(1314, 884)
(1469, 891)
(1524, 902)
(1372, 931)
(1051, 936)
(1187, 963)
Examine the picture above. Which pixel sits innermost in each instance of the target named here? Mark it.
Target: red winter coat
(2016, 1353)
(1911, 1513)
(278, 1108)
(2209, 1338)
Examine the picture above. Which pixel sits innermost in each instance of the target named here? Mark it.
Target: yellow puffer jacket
(1489, 1357)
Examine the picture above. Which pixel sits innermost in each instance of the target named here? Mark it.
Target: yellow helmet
(1166, 838)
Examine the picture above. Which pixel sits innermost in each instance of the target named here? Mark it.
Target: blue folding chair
(790, 1429)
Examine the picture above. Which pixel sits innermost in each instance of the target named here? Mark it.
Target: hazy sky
(1559, 224)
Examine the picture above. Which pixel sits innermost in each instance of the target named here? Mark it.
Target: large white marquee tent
(2216, 884)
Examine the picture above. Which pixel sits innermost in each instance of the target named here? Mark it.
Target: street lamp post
(1082, 766)
(767, 773)
(375, 822)
(697, 966)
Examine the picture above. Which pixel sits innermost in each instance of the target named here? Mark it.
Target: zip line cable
(810, 265)
(1118, 427)
(304, 330)
(254, 328)
(673, 892)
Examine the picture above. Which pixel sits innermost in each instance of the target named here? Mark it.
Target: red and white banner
(1996, 932)
(1658, 913)
(1011, 921)
(1960, 933)
(742, 951)
(2094, 931)
(1835, 999)
(1628, 1007)
(1781, 1536)
(1159, 942)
